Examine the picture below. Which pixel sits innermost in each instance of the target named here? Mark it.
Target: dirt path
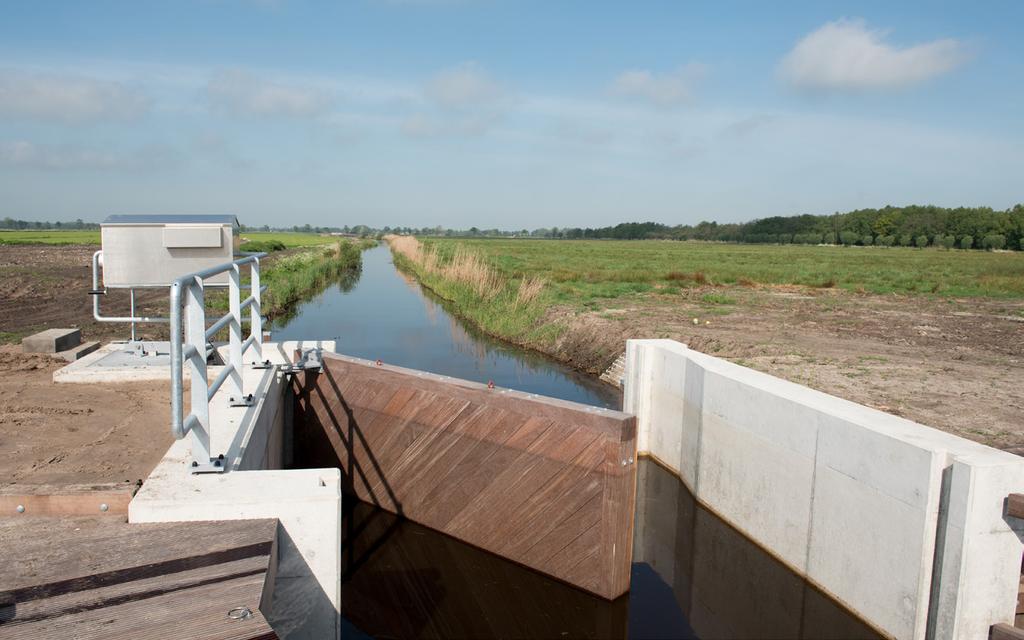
(76, 433)
(957, 365)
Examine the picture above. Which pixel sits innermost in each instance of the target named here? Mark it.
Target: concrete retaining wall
(902, 523)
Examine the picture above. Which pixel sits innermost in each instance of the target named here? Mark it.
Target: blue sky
(504, 113)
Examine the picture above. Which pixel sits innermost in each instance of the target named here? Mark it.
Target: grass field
(290, 240)
(578, 271)
(49, 237)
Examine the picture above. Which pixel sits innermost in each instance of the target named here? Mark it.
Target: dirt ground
(957, 365)
(76, 433)
(44, 286)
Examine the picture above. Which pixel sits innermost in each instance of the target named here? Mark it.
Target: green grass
(294, 278)
(499, 315)
(288, 239)
(582, 271)
(50, 237)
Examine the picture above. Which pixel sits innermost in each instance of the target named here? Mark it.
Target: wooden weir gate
(545, 483)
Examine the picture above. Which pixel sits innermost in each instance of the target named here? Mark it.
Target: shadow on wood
(546, 483)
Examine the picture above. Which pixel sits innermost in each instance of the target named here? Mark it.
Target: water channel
(693, 575)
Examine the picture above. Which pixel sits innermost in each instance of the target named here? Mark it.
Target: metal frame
(187, 296)
(97, 261)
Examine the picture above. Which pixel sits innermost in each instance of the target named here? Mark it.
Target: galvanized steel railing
(187, 296)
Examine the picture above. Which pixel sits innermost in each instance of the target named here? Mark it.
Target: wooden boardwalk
(546, 483)
(99, 577)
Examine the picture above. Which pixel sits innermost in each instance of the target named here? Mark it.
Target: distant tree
(966, 242)
(921, 241)
(885, 241)
(948, 241)
(993, 242)
(906, 240)
(867, 240)
(849, 237)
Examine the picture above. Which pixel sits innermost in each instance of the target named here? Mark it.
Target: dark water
(693, 575)
(388, 316)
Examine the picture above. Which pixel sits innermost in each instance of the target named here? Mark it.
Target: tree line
(910, 226)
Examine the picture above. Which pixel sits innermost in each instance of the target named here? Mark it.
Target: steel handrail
(188, 343)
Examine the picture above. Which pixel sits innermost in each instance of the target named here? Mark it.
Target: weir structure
(914, 530)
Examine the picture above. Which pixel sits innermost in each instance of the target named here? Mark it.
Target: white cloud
(421, 126)
(848, 56)
(239, 92)
(22, 154)
(669, 89)
(68, 98)
(27, 155)
(464, 86)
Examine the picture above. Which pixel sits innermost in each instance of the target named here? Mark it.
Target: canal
(693, 575)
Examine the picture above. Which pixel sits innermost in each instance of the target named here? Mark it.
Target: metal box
(153, 251)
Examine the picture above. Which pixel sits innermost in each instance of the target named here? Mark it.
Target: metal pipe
(177, 427)
(251, 340)
(219, 380)
(224, 321)
(131, 298)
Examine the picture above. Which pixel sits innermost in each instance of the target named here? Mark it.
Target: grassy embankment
(501, 304)
(482, 279)
(299, 276)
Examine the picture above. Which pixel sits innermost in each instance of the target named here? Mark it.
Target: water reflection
(388, 316)
(693, 577)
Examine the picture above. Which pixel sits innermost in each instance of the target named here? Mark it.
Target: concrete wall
(307, 502)
(878, 511)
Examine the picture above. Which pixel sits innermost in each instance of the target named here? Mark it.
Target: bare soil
(45, 286)
(957, 365)
(76, 433)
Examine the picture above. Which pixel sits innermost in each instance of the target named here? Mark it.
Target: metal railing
(189, 344)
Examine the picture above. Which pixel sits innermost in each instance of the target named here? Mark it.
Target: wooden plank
(96, 577)
(1015, 505)
(546, 483)
(67, 500)
(1003, 631)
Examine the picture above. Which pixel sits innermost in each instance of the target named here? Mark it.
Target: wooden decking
(545, 483)
(99, 577)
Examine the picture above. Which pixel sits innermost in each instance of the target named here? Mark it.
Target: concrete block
(82, 350)
(52, 341)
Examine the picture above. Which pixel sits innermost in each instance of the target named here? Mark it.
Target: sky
(504, 113)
